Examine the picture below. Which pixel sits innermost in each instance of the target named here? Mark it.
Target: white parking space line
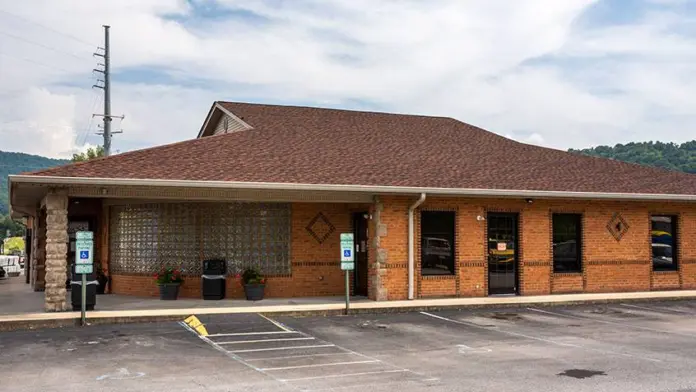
(253, 350)
(265, 340)
(352, 363)
(277, 324)
(611, 322)
(319, 365)
(299, 356)
(540, 339)
(216, 335)
(656, 309)
(229, 354)
(344, 375)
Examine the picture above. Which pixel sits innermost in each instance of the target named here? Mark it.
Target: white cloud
(522, 68)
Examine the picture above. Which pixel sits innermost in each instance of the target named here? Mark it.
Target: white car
(662, 255)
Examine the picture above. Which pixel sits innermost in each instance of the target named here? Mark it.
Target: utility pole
(107, 117)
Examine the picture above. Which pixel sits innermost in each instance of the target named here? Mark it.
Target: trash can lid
(79, 282)
(213, 276)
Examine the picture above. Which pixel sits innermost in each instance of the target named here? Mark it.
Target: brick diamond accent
(617, 226)
(320, 228)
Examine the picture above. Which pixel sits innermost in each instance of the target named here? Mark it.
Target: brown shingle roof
(324, 146)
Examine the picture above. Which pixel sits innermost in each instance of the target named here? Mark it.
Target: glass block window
(147, 236)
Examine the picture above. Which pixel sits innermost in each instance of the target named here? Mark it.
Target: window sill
(438, 277)
(579, 273)
(666, 272)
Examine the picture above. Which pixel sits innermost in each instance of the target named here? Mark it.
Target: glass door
(502, 253)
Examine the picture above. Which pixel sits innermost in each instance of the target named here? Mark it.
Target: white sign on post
(347, 253)
(84, 249)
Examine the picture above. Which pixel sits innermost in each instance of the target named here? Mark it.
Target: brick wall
(567, 283)
(394, 247)
(315, 266)
(665, 280)
(436, 286)
(608, 264)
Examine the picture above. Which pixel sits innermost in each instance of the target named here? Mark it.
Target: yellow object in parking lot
(196, 324)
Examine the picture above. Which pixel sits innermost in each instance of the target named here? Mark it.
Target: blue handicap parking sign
(346, 253)
(84, 254)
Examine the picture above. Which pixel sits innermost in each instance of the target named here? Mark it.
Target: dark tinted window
(664, 242)
(437, 243)
(567, 243)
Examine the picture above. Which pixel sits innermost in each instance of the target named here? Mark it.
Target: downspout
(411, 247)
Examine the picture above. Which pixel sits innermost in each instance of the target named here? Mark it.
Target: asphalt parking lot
(647, 346)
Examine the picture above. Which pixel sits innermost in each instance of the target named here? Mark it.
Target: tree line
(681, 157)
(14, 163)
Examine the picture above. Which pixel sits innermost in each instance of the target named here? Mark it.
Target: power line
(42, 45)
(35, 62)
(88, 129)
(48, 28)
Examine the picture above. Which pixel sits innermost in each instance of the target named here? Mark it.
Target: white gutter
(411, 240)
(375, 189)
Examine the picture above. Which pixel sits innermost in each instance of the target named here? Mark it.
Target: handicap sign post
(347, 261)
(84, 250)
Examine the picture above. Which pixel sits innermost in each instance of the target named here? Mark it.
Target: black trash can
(76, 290)
(213, 279)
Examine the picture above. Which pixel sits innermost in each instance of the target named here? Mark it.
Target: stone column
(377, 288)
(38, 252)
(56, 251)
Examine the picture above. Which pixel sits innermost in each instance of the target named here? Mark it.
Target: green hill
(15, 163)
(672, 156)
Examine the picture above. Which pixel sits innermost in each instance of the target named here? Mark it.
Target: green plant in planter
(169, 275)
(254, 284)
(253, 276)
(169, 279)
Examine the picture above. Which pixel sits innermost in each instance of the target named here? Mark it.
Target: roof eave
(373, 189)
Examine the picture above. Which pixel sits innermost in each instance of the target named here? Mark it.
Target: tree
(14, 244)
(91, 153)
(7, 224)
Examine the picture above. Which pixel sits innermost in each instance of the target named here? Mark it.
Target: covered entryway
(291, 237)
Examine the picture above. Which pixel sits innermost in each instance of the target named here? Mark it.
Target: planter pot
(254, 292)
(169, 291)
(103, 281)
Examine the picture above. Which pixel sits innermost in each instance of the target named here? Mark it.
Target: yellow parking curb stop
(196, 324)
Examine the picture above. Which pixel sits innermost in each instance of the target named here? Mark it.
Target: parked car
(435, 250)
(662, 255)
(2, 272)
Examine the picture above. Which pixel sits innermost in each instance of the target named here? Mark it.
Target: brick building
(438, 208)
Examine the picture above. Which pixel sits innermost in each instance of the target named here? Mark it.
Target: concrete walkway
(16, 297)
(145, 310)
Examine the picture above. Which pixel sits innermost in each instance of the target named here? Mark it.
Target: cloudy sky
(571, 73)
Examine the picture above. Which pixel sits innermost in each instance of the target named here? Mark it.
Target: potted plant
(102, 279)
(169, 279)
(254, 284)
